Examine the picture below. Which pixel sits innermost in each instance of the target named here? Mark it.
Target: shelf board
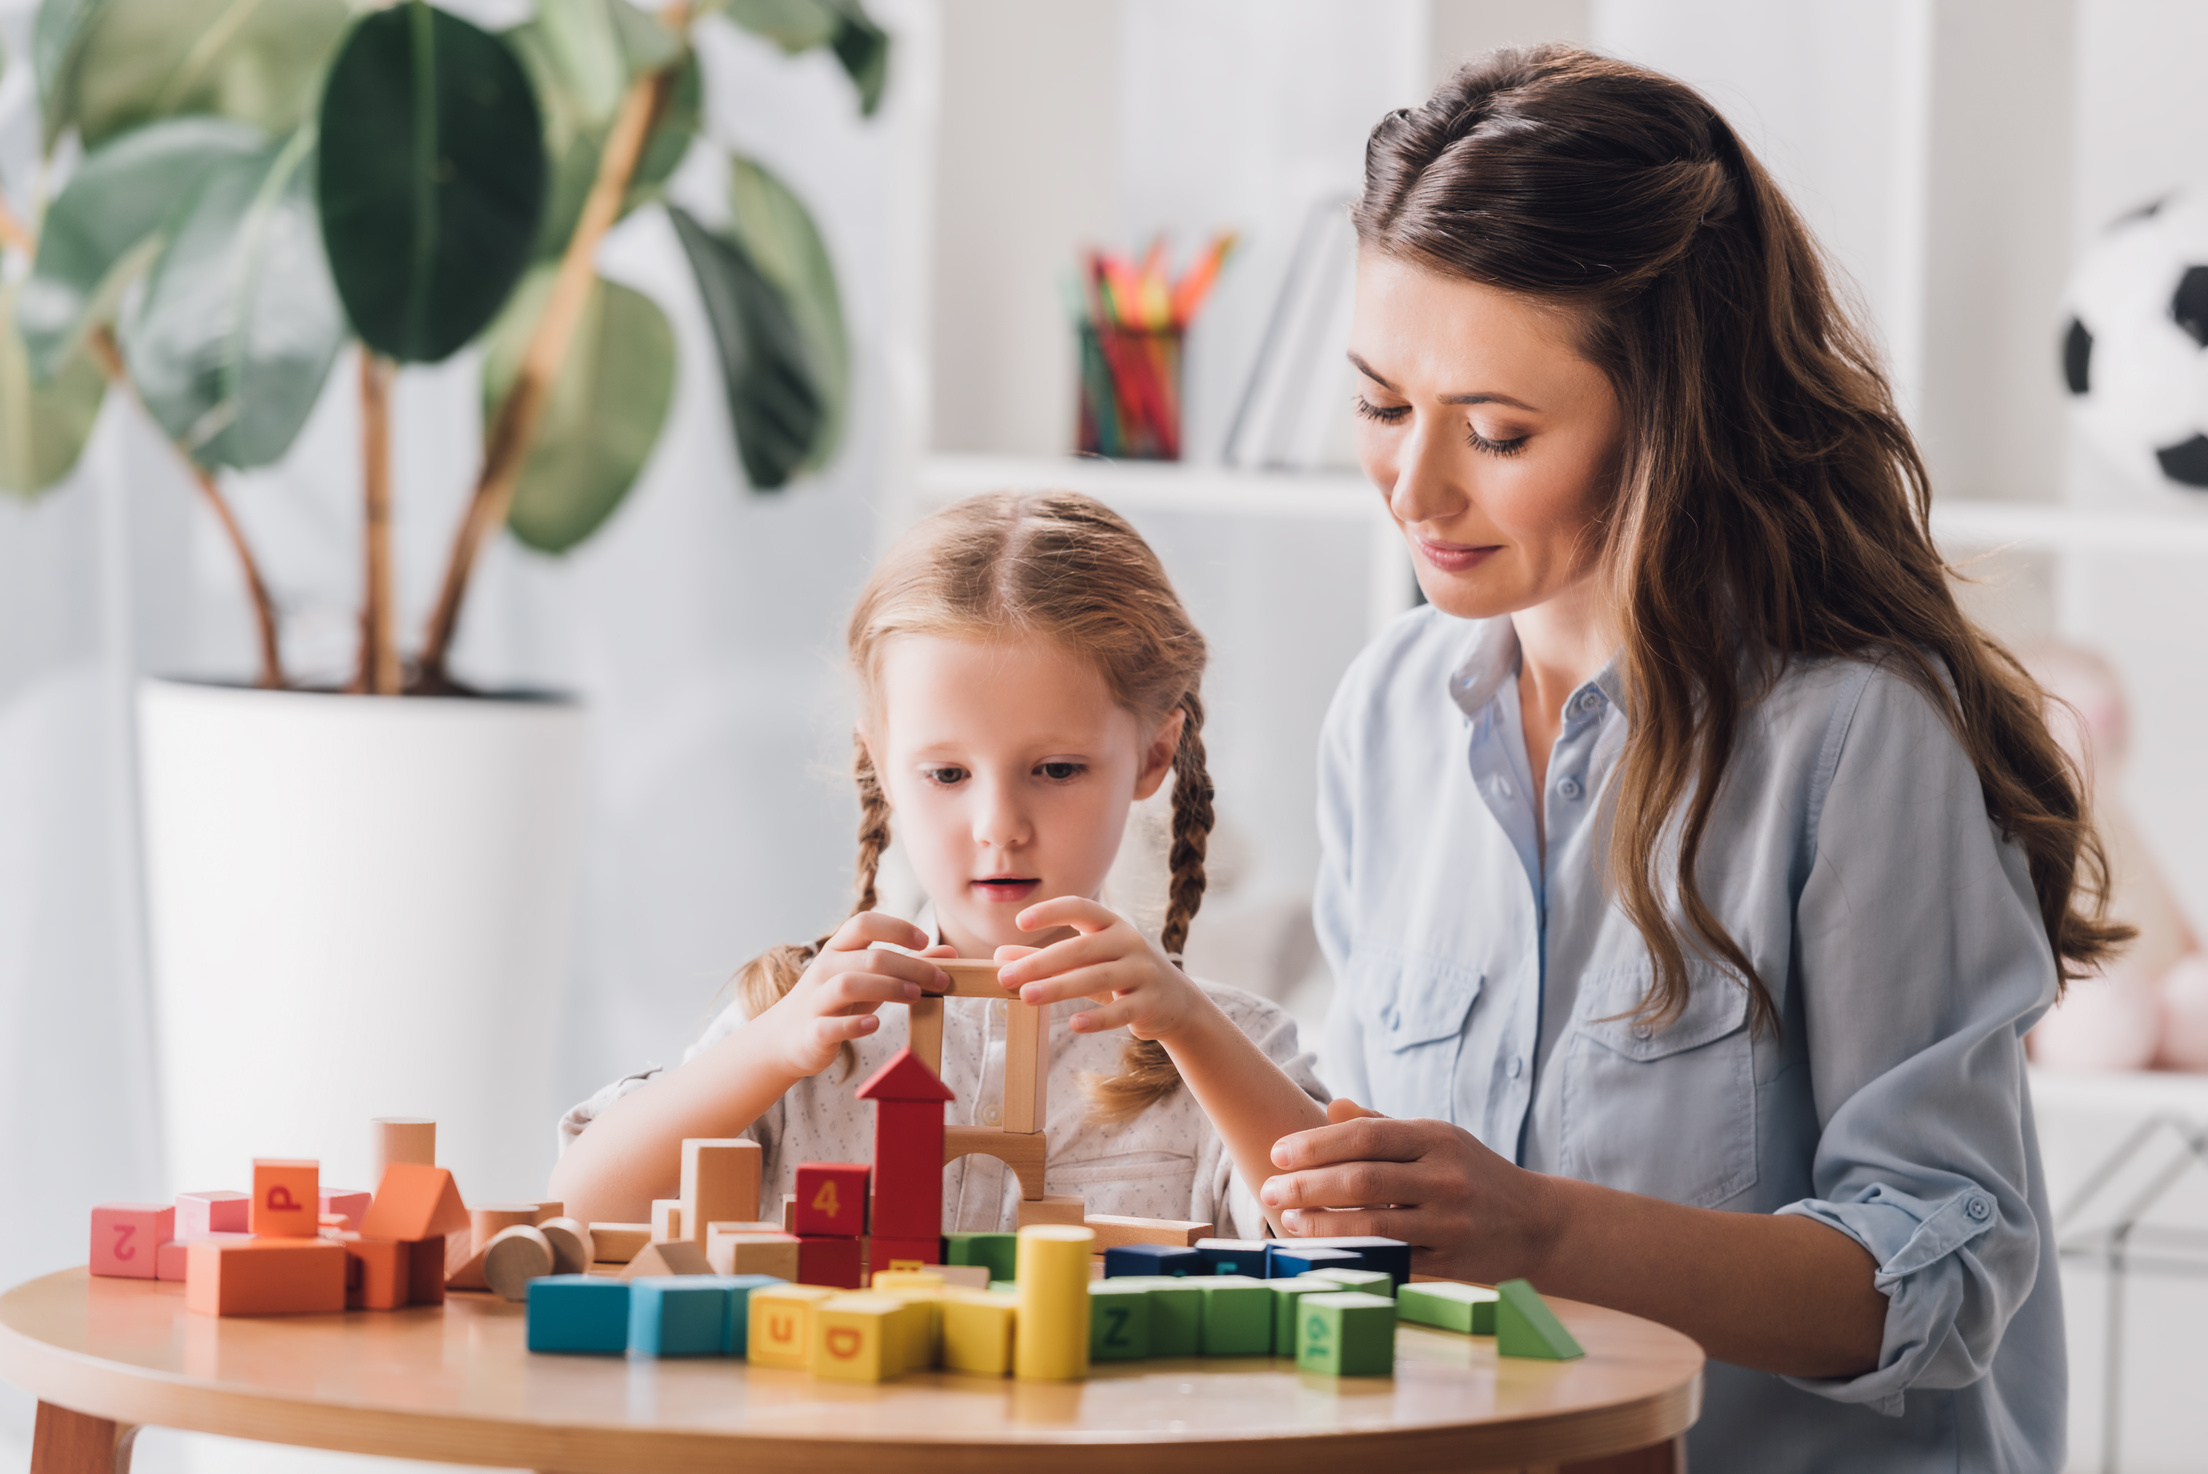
(2056, 527)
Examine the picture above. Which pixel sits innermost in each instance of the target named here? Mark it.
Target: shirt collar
(1494, 659)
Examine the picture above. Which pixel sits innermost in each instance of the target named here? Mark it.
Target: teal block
(739, 1287)
(1286, 1294)
(999, 1252)
(1238, 1315)
(1346, 1333)
(1176, 1312)
(678, 1315)
(1371, 1281)
(1448, 1306)
(1119, 1320)
(1525, 1326)
(586, 1314)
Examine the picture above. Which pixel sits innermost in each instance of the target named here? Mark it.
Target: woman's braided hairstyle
(1055, 566)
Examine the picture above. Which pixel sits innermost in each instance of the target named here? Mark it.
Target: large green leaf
(779, 235)
(863, 48)
(843, 26)
(793, 25)
(43, 427)
(107, 224)
(432, 179)
(111, 65)
(604, 415)
(775, 401)
(234, 336)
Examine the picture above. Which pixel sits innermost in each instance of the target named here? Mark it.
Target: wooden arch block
(1025, 1153)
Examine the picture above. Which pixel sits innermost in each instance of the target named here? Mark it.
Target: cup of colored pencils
(1131, 319)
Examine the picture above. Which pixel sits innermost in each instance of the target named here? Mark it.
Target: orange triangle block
(905, 1077)
(414, 1203)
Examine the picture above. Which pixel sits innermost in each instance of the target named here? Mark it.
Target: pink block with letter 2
(127, 1238)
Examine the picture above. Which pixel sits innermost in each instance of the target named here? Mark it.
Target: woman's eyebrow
(1482, 398)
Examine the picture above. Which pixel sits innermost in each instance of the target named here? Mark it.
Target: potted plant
(359, 905)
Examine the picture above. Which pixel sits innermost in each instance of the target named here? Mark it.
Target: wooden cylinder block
(516, 1256)
(572, 1249)
(401, 1139)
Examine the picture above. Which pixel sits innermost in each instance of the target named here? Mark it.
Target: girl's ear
(1158, 761)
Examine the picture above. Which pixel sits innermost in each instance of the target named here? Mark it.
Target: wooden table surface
(457, 1385)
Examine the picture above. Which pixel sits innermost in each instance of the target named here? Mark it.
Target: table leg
(72, 1443)
(1657, 1458)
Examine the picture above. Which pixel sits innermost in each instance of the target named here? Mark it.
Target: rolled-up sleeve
(1921, 961)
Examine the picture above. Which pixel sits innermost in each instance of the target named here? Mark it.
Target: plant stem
(506, 448)
(379, 654)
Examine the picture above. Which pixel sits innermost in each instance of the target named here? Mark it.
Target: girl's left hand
(1132, 982)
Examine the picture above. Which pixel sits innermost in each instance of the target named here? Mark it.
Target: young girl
(1026, 674)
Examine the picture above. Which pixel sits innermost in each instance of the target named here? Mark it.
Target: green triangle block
(1525, 1326)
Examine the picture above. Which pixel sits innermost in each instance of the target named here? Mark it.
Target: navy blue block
(1169, 1259)
(587, 1313)
(1391, 1257)
(1286, 1261)
(1234, 1256)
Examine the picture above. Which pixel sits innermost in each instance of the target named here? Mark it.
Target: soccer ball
(2135, 350)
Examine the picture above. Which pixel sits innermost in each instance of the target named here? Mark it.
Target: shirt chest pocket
(1412, 1008)
(1668, 1112)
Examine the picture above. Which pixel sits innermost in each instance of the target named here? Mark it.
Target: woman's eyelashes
(1395, 414)
(1386, 414)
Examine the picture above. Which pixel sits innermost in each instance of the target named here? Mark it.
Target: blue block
(739, 1287)
(1234, 1256)
(678, 1315)
(586, 1313)
(1286, 1261)
(1165, 1259)
(1391, 1257)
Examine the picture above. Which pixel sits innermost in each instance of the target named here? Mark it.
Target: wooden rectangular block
(1238, 1315)
(1371, 1281)
(856, 1338)
(1234, 1256)
(905, 1279)
(963, 1276)
(1153, 1259)
(720, 1183)
(781, 1331)
(789, 1212)
(1119, 1321)
(996, 1253)
(740, 1288)
(579, 1314)
(1448, 1306)
(1067, 1210)
(678, 1315)
(753, 1253)
(199, 1214)
(271, 1276)
(972, 977)
(831, 1198)
(666, 1219)
(884, 1253)
(415, 1203)
(617, 1243)
(127, 1239)
(1286, 1261)
(550, 1208)
(925, 1031)
(169, 1260)
(376, 1273)
(1176, 1314)
(977, 1332)
(667, 1256)
(1026, 1153)
(1026, 1068)
(425, 1268)
(347, 1204)
(833, 1262)
(1391, 1255)
(1346, 1334)
(1287, 1295)
(287, 1196)
(1051, 1338)
(1112, 1231)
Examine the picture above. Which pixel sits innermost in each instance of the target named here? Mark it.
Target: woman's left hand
(1468, 1213)
(1132, 982)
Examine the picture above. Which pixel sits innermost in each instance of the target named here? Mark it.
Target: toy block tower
(908, 1161)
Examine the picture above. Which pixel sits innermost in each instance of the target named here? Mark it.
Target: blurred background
(1967, 164)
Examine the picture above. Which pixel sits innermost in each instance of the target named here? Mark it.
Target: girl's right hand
(835, 1000)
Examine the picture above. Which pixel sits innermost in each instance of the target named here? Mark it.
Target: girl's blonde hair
(1062, 567)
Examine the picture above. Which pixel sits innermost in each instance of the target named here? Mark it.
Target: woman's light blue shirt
(1850, 856)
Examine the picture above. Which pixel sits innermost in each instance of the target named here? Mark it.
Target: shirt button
(1000, 1008)
(990, 1115)
(1588, 701)
(1502, 788)
(1516, 1067)
(1568, 788)
(1979, 1209)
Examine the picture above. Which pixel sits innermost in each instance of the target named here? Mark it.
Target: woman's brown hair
(1065, 568)
(1771, 502)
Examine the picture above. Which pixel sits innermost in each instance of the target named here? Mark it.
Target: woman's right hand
(834, 1002)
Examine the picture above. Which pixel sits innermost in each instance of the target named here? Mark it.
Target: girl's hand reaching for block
(836, 999)
(1133, 984)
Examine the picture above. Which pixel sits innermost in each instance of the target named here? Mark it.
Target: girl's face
(1496, 444)
(1009, 768)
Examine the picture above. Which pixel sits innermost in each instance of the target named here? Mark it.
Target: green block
(1371, 1281)
(1119, 1321)
(1000, 1252)
(1287, 1294)
(1176, 1312)
(1238, 1316)
(1525, 1326)
(1448, 1307)
(1346, 1333)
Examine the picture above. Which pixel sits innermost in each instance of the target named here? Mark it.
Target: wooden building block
(169, 1260)
(666, 1219)
(917, 1327)
(350, 1205)
(579, 1314)
(199, 1214)
(831, 1198)
(572, 1250)
(414, 1203)
(1525, 1326)
(752, 1253)
(1391, 1255)
(996, 1253)
(468, 1273)
(789, 1212)
(464, 1251)
(1346, 1333)
(1237, 1315)
(425, 1269)
(1154, 1259)
(394, 1139)
(1234, 1256)
(1112, 1230)
(1287, 1296)
(720, 1183)
(908, 1148)
(1026, 1068)
(1119, 1321)
(905, 1279)
(1371, 1281)
(375, 1273)
(1447, 1306)
(550, 1208)
(1286, 1261)
(977, 1332)
(617, 1243)
(127, 1239)
(884, 1253)
(856, 1338)
(1051, 1338)
(925, 1031)
(972, 977)
(515, 1256)
(830, 1262)
(287, 1196)
(963, 1276)
(667, 1256)
(1026, 1153)
(1066, 1211)
(265, 1276)
(781, 1331)
(739, 1288)
(1176, 1314)
(678, 1315)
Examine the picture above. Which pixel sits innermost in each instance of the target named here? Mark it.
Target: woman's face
(1495, 443)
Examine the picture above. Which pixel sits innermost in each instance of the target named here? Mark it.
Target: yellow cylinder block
(1050, 1338)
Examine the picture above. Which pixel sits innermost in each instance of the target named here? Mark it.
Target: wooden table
(457, 1385)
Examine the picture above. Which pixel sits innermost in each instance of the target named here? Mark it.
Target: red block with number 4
(831, 1199)
(127, 1238)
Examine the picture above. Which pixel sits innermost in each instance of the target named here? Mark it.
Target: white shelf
(2176, 530)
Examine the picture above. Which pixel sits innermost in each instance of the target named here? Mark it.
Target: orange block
(287, 1198)
(414, 1203)
(277, 1276)
(348, 1204)
(376, 1272)
(425, 1271)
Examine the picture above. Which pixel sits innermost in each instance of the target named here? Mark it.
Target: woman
(1691, 863)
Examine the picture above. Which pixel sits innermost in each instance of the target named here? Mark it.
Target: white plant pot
(360, 907)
